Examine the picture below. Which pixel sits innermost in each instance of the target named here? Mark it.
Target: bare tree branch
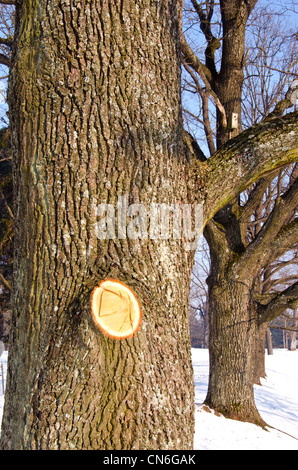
(279, 281)
(275, 267)
(6, 42)
(286, 299)
(10, 213)
(5, 282)
(255, 197)
(194, 62)
(216, 101)
(212, 42)
(283, 328)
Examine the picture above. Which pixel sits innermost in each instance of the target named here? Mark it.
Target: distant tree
(288, 324)
(293, 333)
(196, 336)
(199, 292)
(217, 75)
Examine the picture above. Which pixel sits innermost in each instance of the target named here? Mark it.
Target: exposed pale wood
(115, 309)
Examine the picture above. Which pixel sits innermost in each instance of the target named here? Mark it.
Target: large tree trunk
(95, 107)
(233, 329)
(232, 313)
(233, 324)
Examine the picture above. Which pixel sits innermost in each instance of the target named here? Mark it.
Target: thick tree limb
(282, 105)
(193, 148)
(212, 42)
(284, 241)
(277, 234)
(6, 42)
(286, 299)
(244, 159)
(261, 252)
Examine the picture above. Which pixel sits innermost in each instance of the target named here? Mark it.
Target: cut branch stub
(116, 309)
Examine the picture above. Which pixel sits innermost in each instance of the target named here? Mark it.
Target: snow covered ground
(276, 399)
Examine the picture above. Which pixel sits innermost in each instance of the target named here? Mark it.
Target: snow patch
(276, 400)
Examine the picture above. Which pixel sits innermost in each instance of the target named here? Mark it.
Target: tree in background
(271, 62)
(283, 328)
(199, 296)
(280, 272)
(293, 330)
(236, 262)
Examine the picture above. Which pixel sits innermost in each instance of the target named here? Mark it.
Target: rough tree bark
(233, 325)
(96, 114)
(95, 106)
